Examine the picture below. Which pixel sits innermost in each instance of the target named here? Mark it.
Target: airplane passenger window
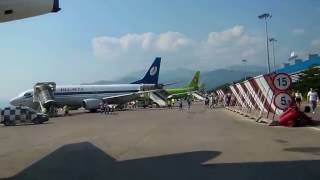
(7, 12)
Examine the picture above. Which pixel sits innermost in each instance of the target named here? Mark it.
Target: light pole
(265, 17)
(245, 68)
(273, 41)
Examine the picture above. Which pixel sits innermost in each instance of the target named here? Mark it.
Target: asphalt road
(158, 144)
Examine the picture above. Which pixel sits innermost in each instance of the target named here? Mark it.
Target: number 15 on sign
(282, 82)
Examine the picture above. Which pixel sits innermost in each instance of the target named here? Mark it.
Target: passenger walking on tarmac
(172, 102)
(228, 99)
(225, 99)
(106, 108)
(211, 102)
(66, 110)
(298, 97)
(215, 100)
(206, 101)
(189, 100)
(134, 104)
(110, 109)
(101, 107)
(313, 99)
(169, 104)
(180, 104)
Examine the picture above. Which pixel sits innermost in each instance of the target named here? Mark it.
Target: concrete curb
(269, 122)
(263, 120)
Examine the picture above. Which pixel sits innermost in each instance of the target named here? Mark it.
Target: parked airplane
(90, 96)
(182, 92)
(18, 9)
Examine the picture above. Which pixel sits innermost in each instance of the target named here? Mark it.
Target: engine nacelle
(91, 104)
(18, 9)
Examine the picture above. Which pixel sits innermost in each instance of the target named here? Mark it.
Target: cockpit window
(27, 95)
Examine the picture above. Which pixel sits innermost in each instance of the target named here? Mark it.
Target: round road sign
(282, 82)
(282, 100)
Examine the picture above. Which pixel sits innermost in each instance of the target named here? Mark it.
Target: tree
(309, 78)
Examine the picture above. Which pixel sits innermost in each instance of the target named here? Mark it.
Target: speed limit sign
(282, 100)
(282, 82)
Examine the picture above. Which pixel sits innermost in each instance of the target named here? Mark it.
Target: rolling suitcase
(307, 109)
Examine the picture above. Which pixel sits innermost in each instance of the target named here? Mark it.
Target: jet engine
(18, 9)
(91, 104)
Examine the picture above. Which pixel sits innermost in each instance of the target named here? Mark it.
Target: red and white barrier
(259, 93)
(255, 94)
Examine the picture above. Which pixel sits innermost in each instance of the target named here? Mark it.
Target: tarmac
(158, 144)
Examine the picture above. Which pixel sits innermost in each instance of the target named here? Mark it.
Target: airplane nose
(14, 102)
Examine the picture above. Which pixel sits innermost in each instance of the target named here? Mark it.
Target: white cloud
(165, 42)
(220, 38)
(230, 46)
(219, 49)
(298, 32)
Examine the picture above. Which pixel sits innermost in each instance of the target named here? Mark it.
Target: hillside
(181, 76)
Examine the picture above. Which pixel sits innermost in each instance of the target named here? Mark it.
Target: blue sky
(107, 39)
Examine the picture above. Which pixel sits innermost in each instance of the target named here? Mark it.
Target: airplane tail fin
(195, 81)
(152, 76)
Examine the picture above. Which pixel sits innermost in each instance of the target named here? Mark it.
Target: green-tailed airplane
(182, 92)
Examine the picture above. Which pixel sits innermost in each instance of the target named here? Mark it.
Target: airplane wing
(125, 98)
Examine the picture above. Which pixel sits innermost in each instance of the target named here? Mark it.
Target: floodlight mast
(265, 17)
(273, 41)
(245, 69)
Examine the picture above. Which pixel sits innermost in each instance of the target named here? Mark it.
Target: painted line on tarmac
(315, 128)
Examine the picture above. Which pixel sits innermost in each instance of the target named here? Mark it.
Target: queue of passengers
(211, 101)
(105, 108)
(180, 102)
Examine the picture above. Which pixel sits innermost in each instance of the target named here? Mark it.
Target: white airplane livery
(90, 96)
(19, 9)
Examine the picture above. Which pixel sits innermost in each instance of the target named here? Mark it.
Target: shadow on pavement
(27, 124)
(309, 150)
(72, 113)
(86, 161)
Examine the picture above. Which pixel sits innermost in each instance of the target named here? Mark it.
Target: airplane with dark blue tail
(91, 96)
(152, 76)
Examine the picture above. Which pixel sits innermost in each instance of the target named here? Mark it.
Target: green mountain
(219, 77)
(182, 76)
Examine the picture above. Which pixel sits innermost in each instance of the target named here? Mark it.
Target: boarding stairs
(198, 96)
(158, 98)
(44, 95)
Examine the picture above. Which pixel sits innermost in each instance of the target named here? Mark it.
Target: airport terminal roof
(300, 66)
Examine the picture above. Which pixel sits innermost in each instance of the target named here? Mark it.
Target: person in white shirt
(211, 102)
(313, 99)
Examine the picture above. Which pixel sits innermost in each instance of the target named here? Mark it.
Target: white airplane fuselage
(74, 96)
